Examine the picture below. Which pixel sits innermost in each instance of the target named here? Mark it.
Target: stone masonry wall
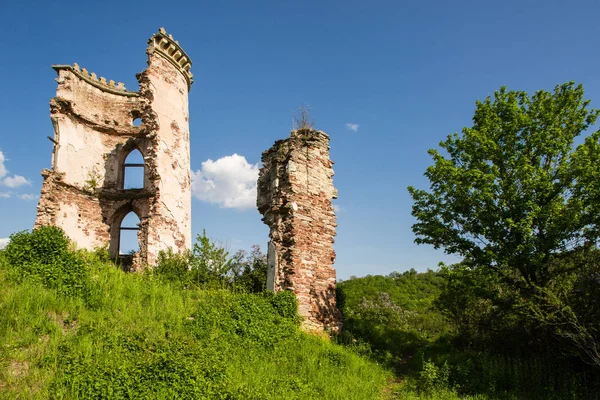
(168, 90)
(295, 189)
(83, 192)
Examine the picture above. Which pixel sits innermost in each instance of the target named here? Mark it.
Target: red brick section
(295, 189)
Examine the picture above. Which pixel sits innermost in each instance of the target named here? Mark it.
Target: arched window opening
(133, 171)
(128, 235)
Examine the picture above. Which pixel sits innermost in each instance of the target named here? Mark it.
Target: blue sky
(403, 74)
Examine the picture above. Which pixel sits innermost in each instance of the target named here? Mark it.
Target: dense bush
(208, 265)
(249, 271)
(43, 255)
(43, 245)
(560, 319)
(285, 304)
(173, 267)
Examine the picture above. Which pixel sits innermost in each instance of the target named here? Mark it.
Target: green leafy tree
(519, 200)
(249, 271)
(513, 191)
(209, 261)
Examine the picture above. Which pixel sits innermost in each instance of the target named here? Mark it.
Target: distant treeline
(443, 335)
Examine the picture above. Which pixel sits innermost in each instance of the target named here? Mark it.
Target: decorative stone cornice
(169, 48)
(91, 78)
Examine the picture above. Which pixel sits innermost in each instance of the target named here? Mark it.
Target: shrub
(173, 267)
(209, 262)
(286, 305)
(433, 378)
(44, 245)
(249, 271)
(43, 255)
(206, 265)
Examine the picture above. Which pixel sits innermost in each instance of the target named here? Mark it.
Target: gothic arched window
(133, 170)
(128, 234)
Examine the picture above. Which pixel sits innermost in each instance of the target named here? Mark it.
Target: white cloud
(229, 181)
(15, 181)
(5, 195)
(337, 208)
(3, 242)
(352, 127)
(27, 196)
(3, 170)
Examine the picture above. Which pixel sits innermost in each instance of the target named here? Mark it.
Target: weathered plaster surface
(93, 134)
(295, 189)
(168, 89)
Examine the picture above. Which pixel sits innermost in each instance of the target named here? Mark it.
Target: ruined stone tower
(97, 125)
(295, 189)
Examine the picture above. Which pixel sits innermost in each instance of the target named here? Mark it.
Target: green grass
(72, 325)
(134, 336)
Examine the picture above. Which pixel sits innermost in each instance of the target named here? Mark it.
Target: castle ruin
(295, 189)
(97, 126)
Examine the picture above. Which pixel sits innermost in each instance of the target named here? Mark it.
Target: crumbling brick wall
(295, 189)
(84, 193)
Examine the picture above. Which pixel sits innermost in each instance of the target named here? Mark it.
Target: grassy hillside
(410, 290)
(74, 326)
(393, 314)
